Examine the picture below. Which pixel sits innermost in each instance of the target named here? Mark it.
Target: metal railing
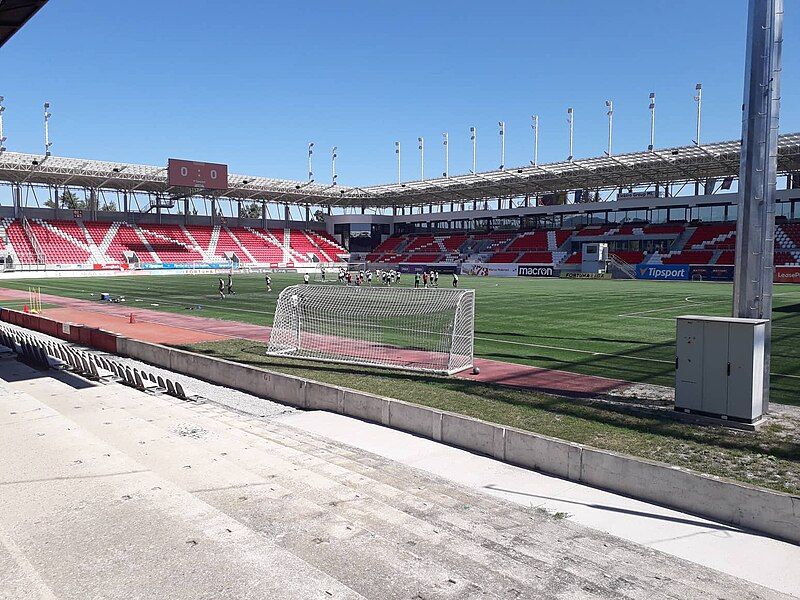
(41, 258)
(622, 266)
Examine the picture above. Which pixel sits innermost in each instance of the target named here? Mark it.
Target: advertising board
(787, 275)
(531, 271)
(712, 272)
(663, 272)
(579, 275)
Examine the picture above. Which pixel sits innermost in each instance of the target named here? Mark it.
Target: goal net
(405, 328)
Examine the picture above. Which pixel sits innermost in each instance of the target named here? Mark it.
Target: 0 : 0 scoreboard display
(193, 174)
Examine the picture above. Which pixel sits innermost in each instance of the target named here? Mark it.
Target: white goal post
(419, 329)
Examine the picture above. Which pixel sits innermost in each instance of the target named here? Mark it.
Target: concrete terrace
(106, 492)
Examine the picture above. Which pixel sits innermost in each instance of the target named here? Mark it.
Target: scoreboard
(193, 174)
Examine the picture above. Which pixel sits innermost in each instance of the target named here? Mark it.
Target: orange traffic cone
(132, 318)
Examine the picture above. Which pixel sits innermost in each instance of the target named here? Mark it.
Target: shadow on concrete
(12, 370)
(624, 511)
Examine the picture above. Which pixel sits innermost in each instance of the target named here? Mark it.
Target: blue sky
(250, 83)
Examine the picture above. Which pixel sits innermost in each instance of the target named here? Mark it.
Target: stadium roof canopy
(14, 14)
(673, 165)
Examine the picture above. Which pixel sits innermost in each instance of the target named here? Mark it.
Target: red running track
(162, 327)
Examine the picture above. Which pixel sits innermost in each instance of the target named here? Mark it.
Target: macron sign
(536, 272)
(663, 272)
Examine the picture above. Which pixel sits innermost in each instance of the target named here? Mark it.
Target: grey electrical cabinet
(719, 367)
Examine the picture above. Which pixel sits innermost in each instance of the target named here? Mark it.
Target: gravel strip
(240, 401)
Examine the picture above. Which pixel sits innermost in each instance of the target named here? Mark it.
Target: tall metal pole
(310, 168)
(446, 155)
(535, 127)
(2, 136)
(47, 142)
(570, 120)
(755, 227)
(652, 121)
(334, 176)
(473, 134)
(610, 113)
(698, 97)
(397, 152)
(502, 125)
(421, 141)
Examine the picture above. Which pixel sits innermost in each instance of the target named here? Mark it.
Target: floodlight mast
(698, 97)
(2, 136)
(310, 167)
(473, 135)
(47, 142)
(610, 113)
(334, 176)
(652, 121)
(397, 152)
(446, 155)
(755, 227)
(570, 121)
(535, 127)
(421, 141)
(502, 125)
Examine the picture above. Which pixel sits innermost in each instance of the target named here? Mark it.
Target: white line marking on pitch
(658, 360)
(626, 356)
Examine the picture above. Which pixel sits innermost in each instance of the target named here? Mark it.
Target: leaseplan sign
(663, 272)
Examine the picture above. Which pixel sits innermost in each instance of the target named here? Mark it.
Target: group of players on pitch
(345, 277)
(358, 278)
(431, 279)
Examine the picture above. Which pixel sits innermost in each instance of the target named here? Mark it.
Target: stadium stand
(88, 243)
(260, 247)
(58, 242)
(535, 240)
(503, 257)
(633, 257)
(713, 236)
(688, 257)
(543, 258)
(20, 243)
(632, 243)
(85, 244)
(327, 244)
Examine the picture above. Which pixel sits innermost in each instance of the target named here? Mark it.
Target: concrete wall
(753, 508)
(761, 510)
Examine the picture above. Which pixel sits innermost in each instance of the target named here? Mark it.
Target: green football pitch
(620, 329)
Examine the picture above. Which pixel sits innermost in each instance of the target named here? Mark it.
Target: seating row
(47, 354)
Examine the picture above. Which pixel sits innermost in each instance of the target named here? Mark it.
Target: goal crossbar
(429, 330)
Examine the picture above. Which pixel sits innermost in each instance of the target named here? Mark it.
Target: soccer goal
(331, 270)
(405, 328)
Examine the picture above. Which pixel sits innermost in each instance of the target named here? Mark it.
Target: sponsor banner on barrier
(787, 275)
(489, 269)
(663, 272)
(529, 271)
(713, 272)
(414, 268)
(579, 275)
(213, 265)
